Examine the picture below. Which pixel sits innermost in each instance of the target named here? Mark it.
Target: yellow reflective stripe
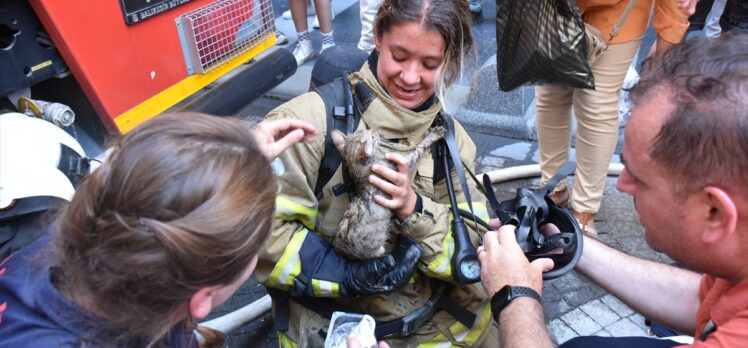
(461, 333)
(284, 341)
(289, 265)
(288, 210)
(324, 288)
(441, 267)
(479, 209)
(443, 343)
(470, 336)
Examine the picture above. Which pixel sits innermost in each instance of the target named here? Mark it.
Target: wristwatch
(504, 297)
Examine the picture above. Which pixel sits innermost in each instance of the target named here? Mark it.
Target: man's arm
(666, 294)
(522, 322)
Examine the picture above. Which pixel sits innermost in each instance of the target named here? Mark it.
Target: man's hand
(396, 184)
(503, 263)
(273, 137)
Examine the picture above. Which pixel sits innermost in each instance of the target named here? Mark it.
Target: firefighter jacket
(298, 213)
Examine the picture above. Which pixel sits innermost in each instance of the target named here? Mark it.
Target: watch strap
(502, 298)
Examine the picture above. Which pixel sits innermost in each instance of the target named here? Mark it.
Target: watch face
(504, 294)
(500, 300)
(470, 268)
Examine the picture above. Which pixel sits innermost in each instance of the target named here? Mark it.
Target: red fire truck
(116, 63)
(74, 72)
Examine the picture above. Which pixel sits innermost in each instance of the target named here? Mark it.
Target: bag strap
(404, 326)
(619, 23)
(341, 115)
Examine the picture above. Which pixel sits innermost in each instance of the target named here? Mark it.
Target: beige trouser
(597, 125)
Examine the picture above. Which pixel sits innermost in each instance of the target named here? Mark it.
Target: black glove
(406, 255)
(383, 274)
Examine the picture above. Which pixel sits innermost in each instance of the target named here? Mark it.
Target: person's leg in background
(310, 11)
(368, 11)
(315, 24)
(711, 26)
(304, 50)
(553, 124)
(596, 113)
(324, 15)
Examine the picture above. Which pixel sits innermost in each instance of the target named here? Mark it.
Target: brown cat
(365, 227)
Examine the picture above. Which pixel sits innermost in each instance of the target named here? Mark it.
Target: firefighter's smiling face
(410, 58)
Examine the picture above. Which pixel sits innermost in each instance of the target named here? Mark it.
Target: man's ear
(722, 219)
(202, 302)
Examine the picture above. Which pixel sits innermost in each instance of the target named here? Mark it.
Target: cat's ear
(338, 138)
(369, 147)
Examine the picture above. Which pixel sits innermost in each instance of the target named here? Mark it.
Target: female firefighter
(421, 47)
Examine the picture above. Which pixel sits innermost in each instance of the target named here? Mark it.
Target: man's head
(686, 146)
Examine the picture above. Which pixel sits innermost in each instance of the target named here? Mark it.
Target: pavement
(502, 126)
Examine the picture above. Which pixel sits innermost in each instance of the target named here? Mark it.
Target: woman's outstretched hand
(274, 137)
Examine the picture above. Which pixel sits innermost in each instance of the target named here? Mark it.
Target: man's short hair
(705, 140)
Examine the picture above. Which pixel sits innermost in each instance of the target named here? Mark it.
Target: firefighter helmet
(37, 159)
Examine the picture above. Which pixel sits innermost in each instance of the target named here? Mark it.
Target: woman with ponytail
(165, 230)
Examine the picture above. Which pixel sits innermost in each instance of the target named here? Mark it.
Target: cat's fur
(365, 227)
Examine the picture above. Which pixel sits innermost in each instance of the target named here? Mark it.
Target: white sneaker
(324, 47)
(303, 53)
(310, 11)
(315, 24)
(280, 38)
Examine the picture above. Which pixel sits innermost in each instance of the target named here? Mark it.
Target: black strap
(281, 308)
(404, 326)
(364, 97)
(526, 209)
(341, 115)
(454, 153)
(331, 157)
(565, 170)
(73, 165)
(503, 214)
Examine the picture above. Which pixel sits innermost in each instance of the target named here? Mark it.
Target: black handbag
(541, 41)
